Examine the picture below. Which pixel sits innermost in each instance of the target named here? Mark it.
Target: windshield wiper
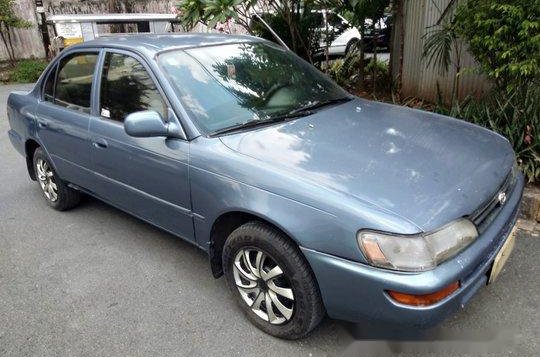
(319, 104)
(295, 113)
(259, 122)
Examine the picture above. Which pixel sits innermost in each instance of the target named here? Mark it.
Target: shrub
(346, 72)
(504, 37)
(28, 71)
(380, 68)
(515, 115)
(334, 71)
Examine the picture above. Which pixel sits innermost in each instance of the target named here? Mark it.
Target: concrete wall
(27, 43)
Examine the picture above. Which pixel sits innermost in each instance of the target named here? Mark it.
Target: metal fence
(418, 79)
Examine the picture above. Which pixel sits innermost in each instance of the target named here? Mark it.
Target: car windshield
(230, 85)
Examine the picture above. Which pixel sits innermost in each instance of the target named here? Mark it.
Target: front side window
(74, 81)
(228, 85)
(126, 87)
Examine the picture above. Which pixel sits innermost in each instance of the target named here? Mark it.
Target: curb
(530, 205)
(531, 228)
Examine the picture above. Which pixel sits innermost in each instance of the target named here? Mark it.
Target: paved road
(95, 281)
(383, 56)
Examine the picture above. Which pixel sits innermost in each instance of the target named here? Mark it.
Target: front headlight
(416, 252)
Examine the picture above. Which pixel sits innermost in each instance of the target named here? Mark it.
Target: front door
(148, 177)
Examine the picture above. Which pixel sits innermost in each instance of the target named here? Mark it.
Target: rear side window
(74, 81)
(48, 89)
(126, 87)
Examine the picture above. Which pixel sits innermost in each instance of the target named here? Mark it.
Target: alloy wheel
(263, 286)
(45, 177)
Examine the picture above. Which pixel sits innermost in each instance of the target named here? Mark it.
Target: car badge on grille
(501, 197)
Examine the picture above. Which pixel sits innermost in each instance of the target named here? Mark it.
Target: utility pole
(43, 26)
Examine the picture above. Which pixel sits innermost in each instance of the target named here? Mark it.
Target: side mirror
(146, 123)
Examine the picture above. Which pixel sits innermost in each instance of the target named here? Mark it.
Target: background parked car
(342, 36)
(380, 35)
(315, 27)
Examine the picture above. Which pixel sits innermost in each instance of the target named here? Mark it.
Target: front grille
(498, 243)
(488, 211)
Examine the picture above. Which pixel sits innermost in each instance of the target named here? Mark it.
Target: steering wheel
(274, 89)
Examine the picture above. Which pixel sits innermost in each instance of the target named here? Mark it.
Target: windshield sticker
(105, 113)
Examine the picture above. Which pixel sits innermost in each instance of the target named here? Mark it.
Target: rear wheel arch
(224, 225)
(30, 147)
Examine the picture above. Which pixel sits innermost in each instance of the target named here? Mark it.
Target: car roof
(153, 43)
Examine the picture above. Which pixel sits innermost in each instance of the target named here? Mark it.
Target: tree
(504, 37)
(117, 7)
(210, 12)
(293, 20)
(8, 21)
(291, 12)
(302, 35)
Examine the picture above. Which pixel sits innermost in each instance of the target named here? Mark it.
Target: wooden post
(43, 27)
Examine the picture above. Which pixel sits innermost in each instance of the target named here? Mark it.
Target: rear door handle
(100, 143)
(42, 123)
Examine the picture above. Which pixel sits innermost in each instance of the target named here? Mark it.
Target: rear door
(148, 177)
(63, 115)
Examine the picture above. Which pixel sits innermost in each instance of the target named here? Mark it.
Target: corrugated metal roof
(110, 17)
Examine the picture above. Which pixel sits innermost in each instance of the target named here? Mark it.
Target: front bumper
(355, 292)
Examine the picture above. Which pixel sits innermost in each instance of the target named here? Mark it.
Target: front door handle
(100, 143)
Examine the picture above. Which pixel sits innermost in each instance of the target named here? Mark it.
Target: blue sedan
(308, 200)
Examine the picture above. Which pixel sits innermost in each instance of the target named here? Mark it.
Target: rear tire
(277, 291)
(55, 191)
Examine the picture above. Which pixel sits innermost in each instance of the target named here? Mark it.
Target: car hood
(426, 168)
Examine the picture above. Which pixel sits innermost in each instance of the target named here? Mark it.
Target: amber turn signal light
(426, 299)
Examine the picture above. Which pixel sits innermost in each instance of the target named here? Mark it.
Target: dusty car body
(334, 183)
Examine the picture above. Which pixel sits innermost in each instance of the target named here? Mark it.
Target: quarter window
(126, 87)
(74, 81)
(48, 90)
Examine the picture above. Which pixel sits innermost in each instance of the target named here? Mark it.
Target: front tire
(55, 191)
(271, 281)
(353, 47)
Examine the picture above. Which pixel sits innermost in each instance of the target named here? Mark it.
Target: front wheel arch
(223, 226)
(298, 283)
(352, 42)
